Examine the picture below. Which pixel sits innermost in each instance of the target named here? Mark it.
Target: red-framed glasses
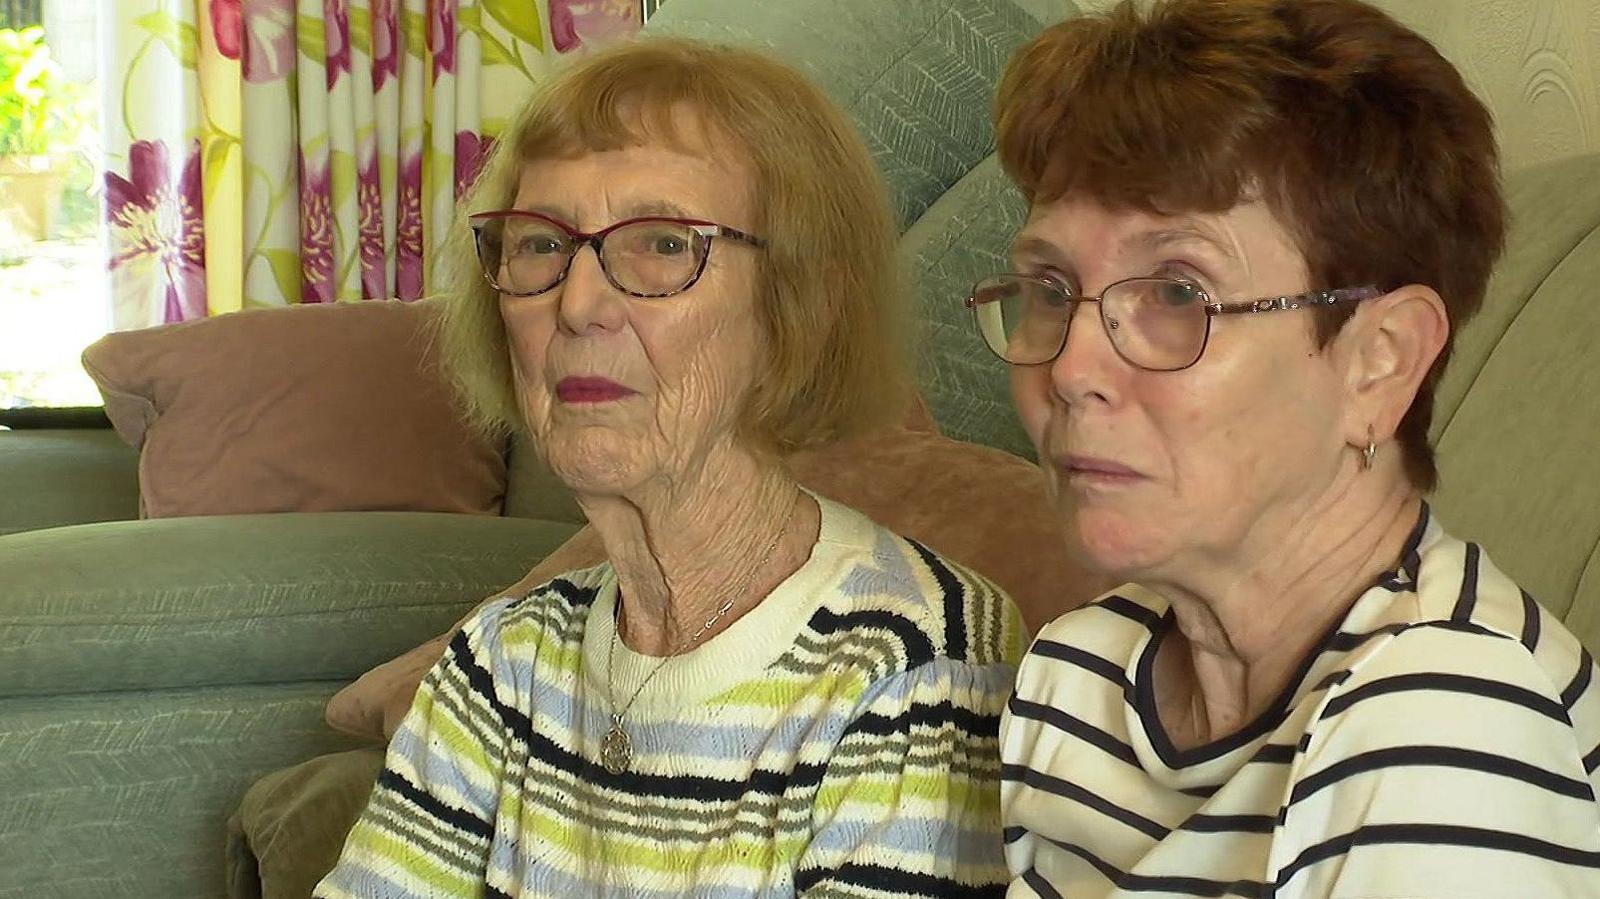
(525, 253)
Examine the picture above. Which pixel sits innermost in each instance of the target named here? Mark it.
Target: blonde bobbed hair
(827, 292)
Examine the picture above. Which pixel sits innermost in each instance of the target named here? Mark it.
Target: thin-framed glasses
(524, 254)
(1157, 324)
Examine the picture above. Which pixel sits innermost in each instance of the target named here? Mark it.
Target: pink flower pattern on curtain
(272, 152)
(158, 223)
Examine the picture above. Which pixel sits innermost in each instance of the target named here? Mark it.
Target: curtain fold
(269, 152)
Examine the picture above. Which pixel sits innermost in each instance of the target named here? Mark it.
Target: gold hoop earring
(1370, 450)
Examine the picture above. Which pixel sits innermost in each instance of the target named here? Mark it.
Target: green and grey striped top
(837, 740)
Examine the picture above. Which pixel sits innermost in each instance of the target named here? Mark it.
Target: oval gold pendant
(616, 752)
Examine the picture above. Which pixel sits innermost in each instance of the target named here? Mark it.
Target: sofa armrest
(243, 599)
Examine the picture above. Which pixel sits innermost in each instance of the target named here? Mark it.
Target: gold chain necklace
(616, 749)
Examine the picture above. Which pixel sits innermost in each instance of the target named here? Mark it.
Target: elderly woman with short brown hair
(1253, 227)
(680, 272)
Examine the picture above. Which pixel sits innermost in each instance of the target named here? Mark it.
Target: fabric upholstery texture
(282, 597)
(1554, 208)
(130, 721)
(963, 237)
(297, 409)
(1518, 418)
(126, 794)
(918, 79)
(52, 478)
(138, 701)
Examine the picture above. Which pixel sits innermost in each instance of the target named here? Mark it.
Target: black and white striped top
(1441, 743)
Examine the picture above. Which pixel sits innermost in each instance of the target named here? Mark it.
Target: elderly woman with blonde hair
(679, 272)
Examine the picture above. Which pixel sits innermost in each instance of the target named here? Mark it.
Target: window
(54, 295)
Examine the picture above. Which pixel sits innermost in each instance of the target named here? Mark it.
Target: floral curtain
(268, 152)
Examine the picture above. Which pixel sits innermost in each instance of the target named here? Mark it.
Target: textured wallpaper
(1535, 62)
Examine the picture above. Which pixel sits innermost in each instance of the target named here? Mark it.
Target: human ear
(1392, 343)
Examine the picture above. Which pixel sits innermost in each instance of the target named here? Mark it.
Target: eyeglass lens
(1154, 323)
(647, 258)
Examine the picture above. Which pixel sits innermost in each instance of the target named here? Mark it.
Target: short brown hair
(1355, 131)
(827, 290)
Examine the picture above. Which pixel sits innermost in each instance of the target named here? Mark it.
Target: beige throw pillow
(307, 408)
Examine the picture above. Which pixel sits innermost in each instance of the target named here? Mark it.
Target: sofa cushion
(1519, 469)
(1554, 207)
(297, 409)
(205, 601)
(962, 238)
(911, 81)
(127, 794)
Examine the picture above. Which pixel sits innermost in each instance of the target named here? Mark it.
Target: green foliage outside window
(41, 112)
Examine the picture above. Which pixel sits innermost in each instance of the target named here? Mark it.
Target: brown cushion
(298, 409)
(291, 825)
(977, 505)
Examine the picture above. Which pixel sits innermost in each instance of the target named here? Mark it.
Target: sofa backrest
(962, 237)
(1517, 422)
(918, 77)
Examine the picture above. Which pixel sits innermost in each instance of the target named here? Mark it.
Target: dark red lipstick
(590, 389)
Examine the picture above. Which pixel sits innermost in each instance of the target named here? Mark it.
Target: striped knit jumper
(840, 739)
(1441, 743)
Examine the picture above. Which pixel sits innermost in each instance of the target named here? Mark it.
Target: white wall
(1535, 62)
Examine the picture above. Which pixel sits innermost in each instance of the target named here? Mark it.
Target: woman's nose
(587, 301)
(1088, 365)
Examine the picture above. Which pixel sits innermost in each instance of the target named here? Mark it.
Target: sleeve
(909, 802)
(1444, 767)
(428, 826)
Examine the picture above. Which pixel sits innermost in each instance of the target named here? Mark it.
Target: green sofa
(152, 671)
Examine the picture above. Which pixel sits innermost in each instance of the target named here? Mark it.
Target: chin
(1111, 542)
(594, 461)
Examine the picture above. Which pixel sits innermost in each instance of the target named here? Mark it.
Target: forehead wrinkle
(560, 215)
(1144, 239)
(666, 208)
(1161, 238)
(1233, 265)
(640, 209)
(728, 184)
(1027, 244)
